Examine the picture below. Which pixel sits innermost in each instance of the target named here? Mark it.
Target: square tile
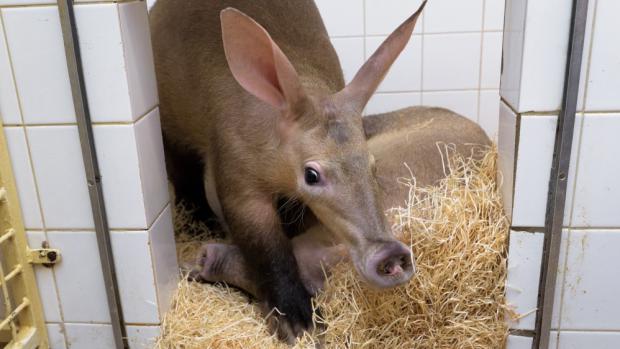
(45, 281)
(488, 116)
(553, 340)
(89, 336)
(33, 33)
(24, 179)
(597, 190)
(383, 17)
(451, 61)
(406, 72)
(524, 261)
(491, 60)
(9, 105)
(134, 272)
(59, 172)
(386, 102)
(442, 16)
(351, 54)
(138, 57)
(117, 154)
(142, 337)
(79, 278)
(545, 49)
(518, 342)
(56, 336)
(494, 14)
(506, 148)
(462, 102)
(585, 58)
(101, 47)
(534, 157)
(512, 58)
(153, 177)
(592, 283)
(163, 252)
(588, 340)
(338, 24)
(604, 77)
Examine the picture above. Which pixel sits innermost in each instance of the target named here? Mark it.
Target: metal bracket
(46, 256)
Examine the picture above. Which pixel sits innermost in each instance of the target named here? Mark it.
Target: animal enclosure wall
(40, 125)
(585, 313)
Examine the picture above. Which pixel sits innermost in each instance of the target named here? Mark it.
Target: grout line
(353, 36)
(104, 123)
(365, 36)
(78, 3)
(480, 65)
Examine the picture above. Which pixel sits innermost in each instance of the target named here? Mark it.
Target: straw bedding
(456, 300)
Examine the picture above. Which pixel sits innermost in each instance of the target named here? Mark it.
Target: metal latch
(46, 256)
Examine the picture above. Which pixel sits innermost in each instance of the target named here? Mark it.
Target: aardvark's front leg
(255, 227)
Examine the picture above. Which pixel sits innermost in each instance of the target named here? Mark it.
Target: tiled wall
(535, 48)
(37, 112)
(453, 59)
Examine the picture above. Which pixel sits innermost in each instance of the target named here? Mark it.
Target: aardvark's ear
(370, 75)
(257, 63)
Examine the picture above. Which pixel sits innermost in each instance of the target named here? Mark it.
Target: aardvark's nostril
(394, 265)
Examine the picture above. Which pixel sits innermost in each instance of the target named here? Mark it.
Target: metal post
(82, 114)
(559, 173)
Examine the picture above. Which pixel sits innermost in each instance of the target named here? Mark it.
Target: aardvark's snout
(390, 265)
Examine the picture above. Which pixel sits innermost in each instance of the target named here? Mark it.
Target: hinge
(46, 256)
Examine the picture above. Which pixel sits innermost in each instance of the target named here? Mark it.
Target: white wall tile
(163, 252)
(585, 58)
(35, 43)
(117, 154)
(592, 282)
(488, 116)
(101, 48)
(512, 58)
(56, 336)
(588, 340)
(9, 105)
(142, 337)
(559, 284)
(451, 61)
(45, 281)
(506, 148)
(462, 102)
(524, 261)
(138, 57)
(518, 342)
(89, 336)
(136, 281)
(342, 17)
(442, 16)
(494, 14)
(22, 171)
(545, 49)
(406, 72)
(59, 171)
(553, 340)
(604, 78)
(534, 156)
(351, 54)
(385, 102)
(491, 60)
(152, 165)
(597, 190)
(382, 17)
(79, 277)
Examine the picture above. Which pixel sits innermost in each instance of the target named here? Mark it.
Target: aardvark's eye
(312, 176)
